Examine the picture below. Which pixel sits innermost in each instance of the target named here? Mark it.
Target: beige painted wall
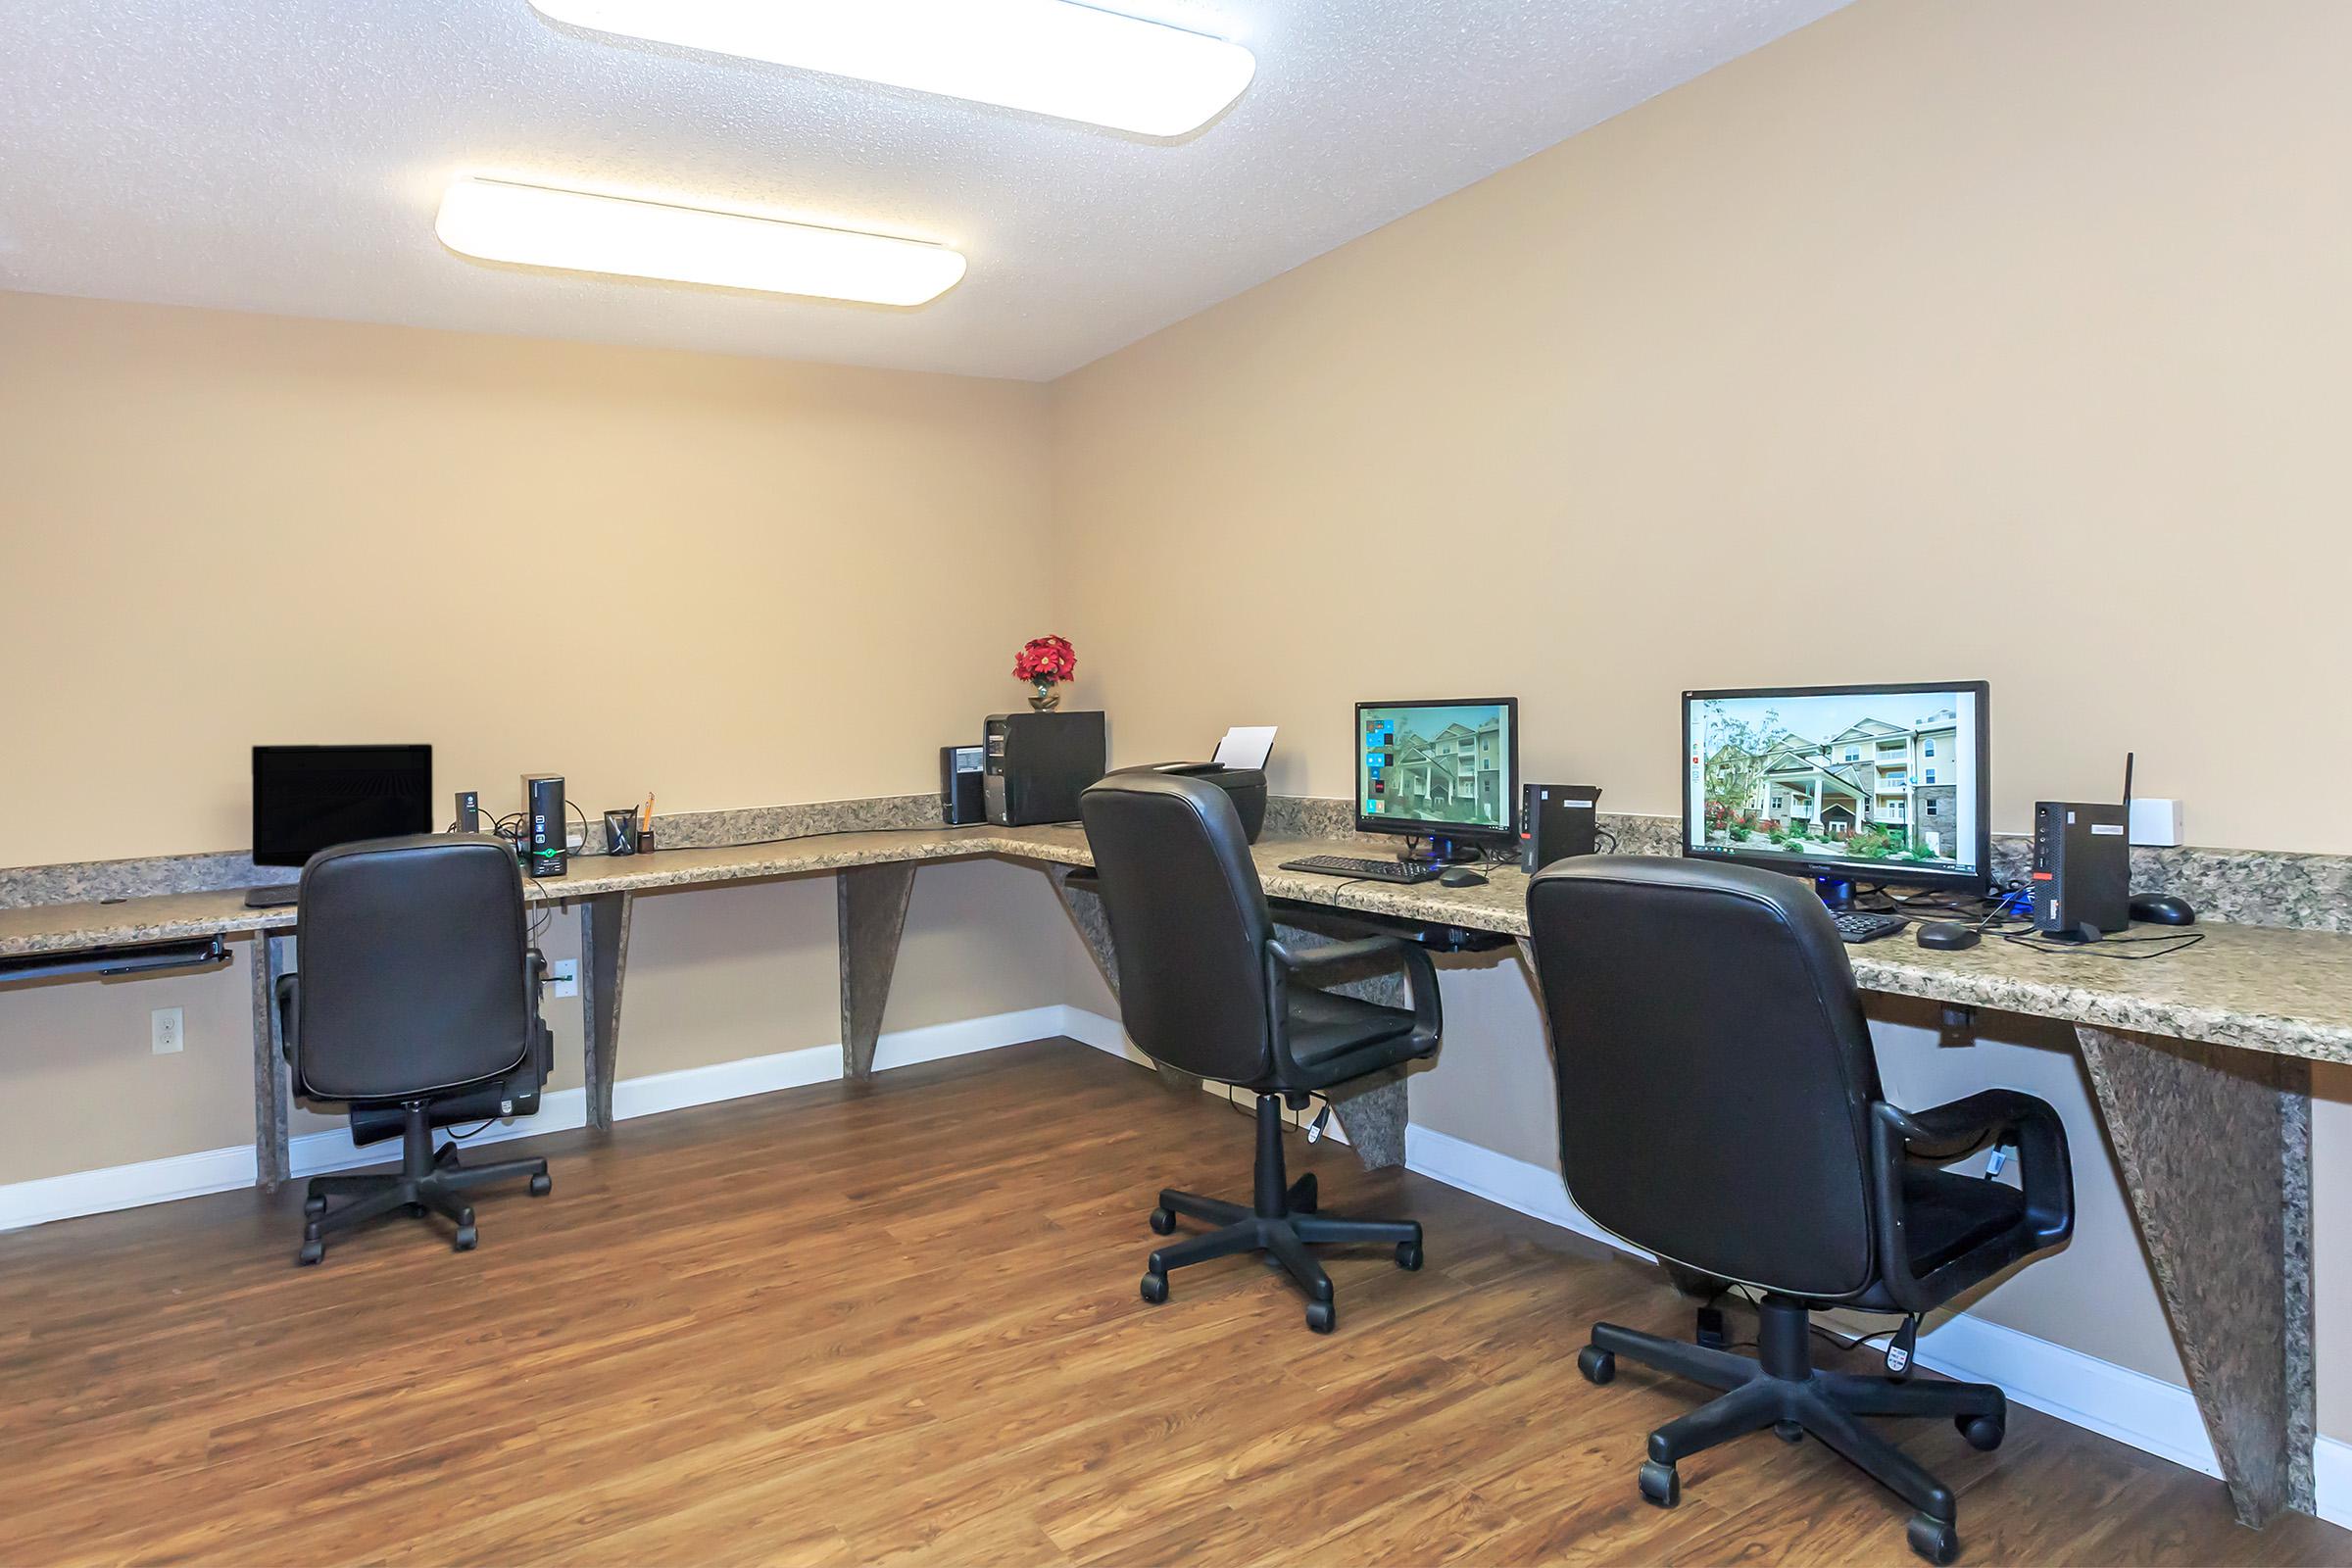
(1820, 367)
(735, 582)
(1817, 369)
(755, 582)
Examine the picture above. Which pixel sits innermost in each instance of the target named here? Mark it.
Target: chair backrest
(1714, 1067)
(415, 967)
(1189, 921)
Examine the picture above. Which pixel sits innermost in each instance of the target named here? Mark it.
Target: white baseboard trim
(2148, 1413)
(219, 1170)
(98, 1192)
(2332, 1479)
(1515, 1184)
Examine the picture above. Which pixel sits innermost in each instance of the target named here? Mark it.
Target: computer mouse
(2163, 908)
(1461, 876)
(1949, 937)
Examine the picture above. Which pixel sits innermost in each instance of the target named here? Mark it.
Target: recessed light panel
(574, 231)
(1072, 62)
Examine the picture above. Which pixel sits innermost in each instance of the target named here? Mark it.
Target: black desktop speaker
(1556, 821)
(963, 785)
(2081, 868)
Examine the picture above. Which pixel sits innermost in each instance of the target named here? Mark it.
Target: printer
(1247, 787)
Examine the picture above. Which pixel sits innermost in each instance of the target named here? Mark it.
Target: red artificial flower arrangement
(1046, 660)
(1041, 662)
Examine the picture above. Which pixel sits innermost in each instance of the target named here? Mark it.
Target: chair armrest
(289, 995)
(1943, 1133)
(1286, 965)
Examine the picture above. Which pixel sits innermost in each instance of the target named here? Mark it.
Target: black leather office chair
(1720, 1106)
(1205, 987)
(416, 1006)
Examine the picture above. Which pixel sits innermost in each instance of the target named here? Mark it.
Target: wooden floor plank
(898, 1323)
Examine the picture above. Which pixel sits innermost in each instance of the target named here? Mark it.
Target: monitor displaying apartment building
(1446, 768)
(1881, 783)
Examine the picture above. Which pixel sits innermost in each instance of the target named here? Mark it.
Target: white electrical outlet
(166, 1030)
(566, 972)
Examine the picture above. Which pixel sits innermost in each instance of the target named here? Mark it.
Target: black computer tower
(547, 829)
(1556, 821)
(963, 787)
(2081, 867)
(1038, 763)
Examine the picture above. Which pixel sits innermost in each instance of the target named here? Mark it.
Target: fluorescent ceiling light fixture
(1072, 62)
(533, 225)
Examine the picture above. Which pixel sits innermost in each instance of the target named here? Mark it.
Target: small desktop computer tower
(963, 785)
(546, 828)
(1038, 763)
(1556, 821)
(2081, 868)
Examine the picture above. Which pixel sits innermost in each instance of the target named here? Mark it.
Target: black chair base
(427, 1183)
(1283, 1223)
(1780, 1389)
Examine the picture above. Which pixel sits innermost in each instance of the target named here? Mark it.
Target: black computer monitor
(1883, 784)
(1447, 771)
(311, 798)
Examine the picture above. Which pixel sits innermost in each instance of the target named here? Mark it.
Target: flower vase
(1047, 698)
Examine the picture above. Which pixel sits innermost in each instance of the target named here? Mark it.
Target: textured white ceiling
(287, 156)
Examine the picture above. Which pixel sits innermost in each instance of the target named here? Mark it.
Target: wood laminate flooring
(899, 1323)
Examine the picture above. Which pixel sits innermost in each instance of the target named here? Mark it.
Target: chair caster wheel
(1408, 1256)
(1661, 1484)
(467, 1237)
(1302, 1197)
(1155, 1286)
(1788, 1431)
(1937, 1539)
(1982, 1431)
(416, 1212)
(313, 1207)
(1163, 1222)
(1596, 1364)
(1322, 1317)
(312, 1251)
(541, 1186)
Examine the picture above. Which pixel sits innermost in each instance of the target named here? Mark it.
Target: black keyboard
(1855, 928)
(1350, 866)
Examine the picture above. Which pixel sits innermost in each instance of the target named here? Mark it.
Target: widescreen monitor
(311, 798)
(1882, 784)
(1439, 769)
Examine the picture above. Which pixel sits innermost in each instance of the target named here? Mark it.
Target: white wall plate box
(2156, 823)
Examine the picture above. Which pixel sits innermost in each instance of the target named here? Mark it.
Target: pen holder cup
(620, 833)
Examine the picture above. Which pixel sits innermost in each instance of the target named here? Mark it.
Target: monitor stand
(276, 895)
(1838, 892)
(1438, 850)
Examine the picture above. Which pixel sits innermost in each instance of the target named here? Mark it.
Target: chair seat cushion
(1325, 1024)
(1945, 1214)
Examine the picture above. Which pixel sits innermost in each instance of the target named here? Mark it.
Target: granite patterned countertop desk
(2260, 988)
(2199, 1058)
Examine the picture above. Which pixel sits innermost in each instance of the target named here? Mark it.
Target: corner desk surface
(2259, 988)
(2199, 1060)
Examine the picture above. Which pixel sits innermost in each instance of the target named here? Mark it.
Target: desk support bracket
(1082, 899)
(2215, 1145)
(870, 905)
(272, 1094)
(604, 945)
